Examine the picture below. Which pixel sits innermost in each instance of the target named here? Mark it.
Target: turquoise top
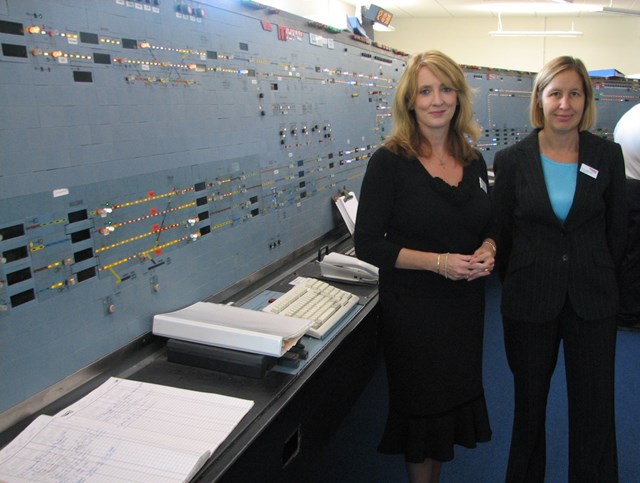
(561, 185)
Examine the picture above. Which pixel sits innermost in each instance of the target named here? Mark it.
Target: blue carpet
(351, 454)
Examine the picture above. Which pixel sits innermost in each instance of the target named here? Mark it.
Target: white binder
(232, 327)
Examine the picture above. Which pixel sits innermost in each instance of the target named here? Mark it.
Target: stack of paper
(124, 431)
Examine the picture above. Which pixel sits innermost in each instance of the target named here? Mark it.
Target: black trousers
(630, 271)
(589, 352)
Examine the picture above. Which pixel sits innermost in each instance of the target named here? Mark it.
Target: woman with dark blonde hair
(559, 199)
(424, 219)
(406, 137)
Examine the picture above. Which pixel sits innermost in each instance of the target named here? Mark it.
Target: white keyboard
(317, 301)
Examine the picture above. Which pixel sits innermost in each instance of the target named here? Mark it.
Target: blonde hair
(406, 138)
(546, 75)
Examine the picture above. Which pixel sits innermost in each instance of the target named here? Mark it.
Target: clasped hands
(456, 266)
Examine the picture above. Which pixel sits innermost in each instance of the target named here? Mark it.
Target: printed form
(124, 431)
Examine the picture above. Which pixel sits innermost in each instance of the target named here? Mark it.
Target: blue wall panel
(152, 157)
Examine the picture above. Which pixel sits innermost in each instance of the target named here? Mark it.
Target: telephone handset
(345, 268)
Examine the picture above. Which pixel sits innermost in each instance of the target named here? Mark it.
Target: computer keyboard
(317, 301)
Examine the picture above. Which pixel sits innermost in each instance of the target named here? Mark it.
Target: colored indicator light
(56, 53)
(34, 29)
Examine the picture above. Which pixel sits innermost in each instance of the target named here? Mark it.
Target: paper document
(348, 207)
(124, 431)
(57, 450)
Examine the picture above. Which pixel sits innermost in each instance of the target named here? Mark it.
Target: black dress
(432, 328)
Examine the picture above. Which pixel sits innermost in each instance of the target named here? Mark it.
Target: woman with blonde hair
(560, 206)
(424, 219)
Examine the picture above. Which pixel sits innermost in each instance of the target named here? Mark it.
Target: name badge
(589, 171)
(483, 185)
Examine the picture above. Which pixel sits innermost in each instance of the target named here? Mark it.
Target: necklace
(440, 158)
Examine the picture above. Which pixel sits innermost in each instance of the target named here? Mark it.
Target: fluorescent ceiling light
(535, 33)
(532, 33)
(624, 11)
(535, 8)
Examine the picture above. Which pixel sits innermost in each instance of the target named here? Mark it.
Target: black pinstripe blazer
(541, 259)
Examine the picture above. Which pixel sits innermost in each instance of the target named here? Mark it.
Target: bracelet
(438, 266)
(492, 245)
(446, 267)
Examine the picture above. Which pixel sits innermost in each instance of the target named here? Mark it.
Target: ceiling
(475, 8)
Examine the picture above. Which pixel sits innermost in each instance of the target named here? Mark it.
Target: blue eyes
(443, 90)
(559, 94)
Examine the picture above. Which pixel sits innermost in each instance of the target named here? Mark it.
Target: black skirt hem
(434, 436)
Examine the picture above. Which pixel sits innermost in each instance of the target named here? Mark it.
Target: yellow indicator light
(159, 247)
(115, 274)
(220, 225)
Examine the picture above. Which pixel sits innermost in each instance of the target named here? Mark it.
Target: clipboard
(347, 204)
